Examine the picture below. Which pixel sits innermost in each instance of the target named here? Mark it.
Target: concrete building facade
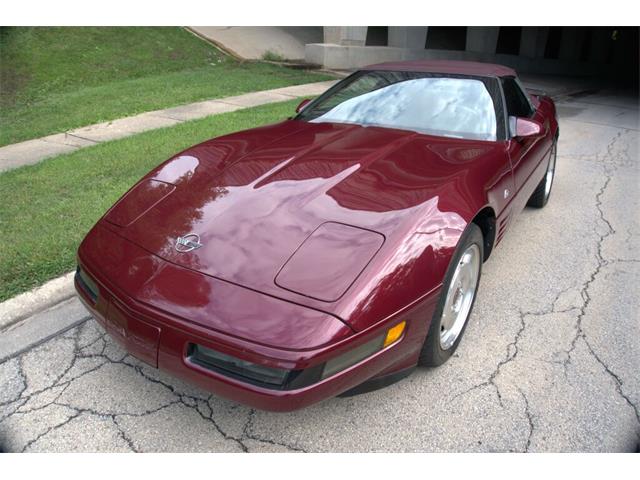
(589, 51)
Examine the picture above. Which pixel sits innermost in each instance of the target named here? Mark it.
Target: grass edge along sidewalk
(36, 150)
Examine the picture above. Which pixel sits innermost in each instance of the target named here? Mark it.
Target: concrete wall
(408, 37)
(346, 36)
(344, 48)
(346, 58)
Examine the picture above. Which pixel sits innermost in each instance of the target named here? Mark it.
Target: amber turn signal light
(394, 333)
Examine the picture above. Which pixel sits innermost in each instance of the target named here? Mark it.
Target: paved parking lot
(549, 362)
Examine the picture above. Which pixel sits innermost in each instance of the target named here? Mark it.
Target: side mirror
(525, 127)
(303, 104)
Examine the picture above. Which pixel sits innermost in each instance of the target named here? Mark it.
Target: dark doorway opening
(586, 45)
(509, 40)
(446, 38)
(377, 37)
(625, 55)
(552, 49)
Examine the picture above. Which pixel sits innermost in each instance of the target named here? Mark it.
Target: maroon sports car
(329, 253)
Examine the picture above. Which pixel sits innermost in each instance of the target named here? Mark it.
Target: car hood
(256, 197)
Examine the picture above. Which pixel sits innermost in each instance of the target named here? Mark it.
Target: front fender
(413, 272)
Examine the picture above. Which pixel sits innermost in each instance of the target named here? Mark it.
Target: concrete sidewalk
(33, 151)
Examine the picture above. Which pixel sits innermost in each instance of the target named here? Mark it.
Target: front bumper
(164, 340)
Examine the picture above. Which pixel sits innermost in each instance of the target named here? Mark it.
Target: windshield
(441, 105)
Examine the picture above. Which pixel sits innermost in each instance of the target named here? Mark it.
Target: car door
(525, 154)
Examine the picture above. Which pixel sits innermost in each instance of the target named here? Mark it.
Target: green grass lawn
(48, 208)
(56, 79)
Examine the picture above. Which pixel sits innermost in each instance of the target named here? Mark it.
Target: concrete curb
(36, 300)
(37, 329)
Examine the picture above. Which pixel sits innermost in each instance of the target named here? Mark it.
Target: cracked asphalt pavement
(549, 362)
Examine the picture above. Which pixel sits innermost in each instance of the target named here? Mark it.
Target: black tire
(540, 195)
(432, 353)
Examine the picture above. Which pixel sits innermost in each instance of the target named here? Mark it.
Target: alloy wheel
(460, 295)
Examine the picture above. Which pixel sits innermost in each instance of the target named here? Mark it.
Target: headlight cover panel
(139, 200)
(329, 261)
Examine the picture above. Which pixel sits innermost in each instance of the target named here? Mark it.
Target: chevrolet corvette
(330, 253)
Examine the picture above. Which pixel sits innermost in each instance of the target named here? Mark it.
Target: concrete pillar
(332, 35)
(533, 41)
(482, 39)
(408, 37)
(347, 36)
(571, 43)
(356, 36)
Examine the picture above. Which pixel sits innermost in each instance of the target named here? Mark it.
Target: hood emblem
(188, 243)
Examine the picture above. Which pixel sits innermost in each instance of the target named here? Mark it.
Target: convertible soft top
(446, 66)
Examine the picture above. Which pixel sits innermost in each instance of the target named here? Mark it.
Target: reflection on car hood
(254, 197)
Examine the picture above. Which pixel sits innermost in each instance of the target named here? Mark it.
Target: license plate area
(140, 338)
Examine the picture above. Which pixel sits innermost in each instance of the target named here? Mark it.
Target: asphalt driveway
(549, 362)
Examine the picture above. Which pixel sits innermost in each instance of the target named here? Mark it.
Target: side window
(517, 103)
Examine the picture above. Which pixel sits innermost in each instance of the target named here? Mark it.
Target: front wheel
(456, 300)
(540, 195)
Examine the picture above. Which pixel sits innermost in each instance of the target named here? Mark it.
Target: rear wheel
(456, 300)
(540, 196)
